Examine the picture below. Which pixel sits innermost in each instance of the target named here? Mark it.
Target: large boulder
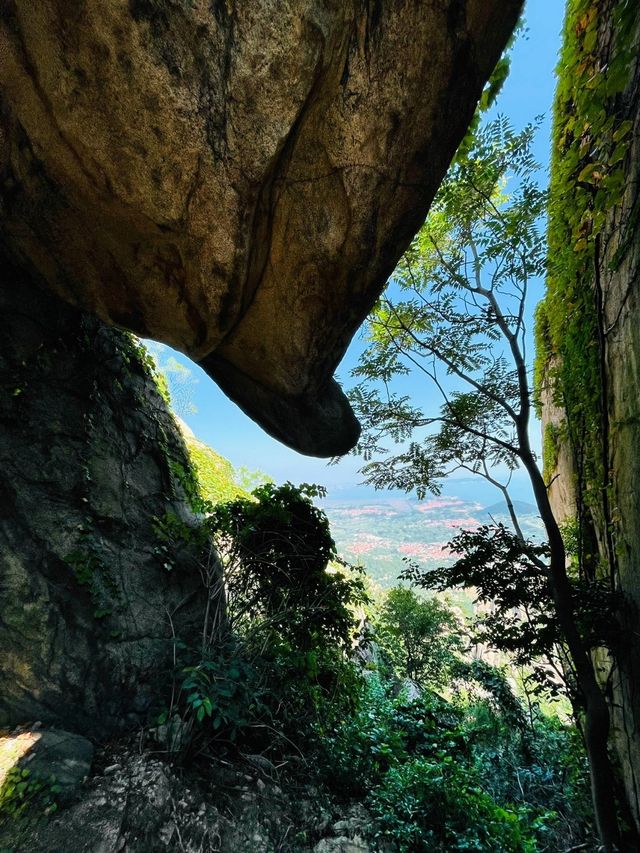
(237, 179)
(92, 597)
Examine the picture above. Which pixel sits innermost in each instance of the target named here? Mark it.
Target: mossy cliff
(588, 329)
(90, 597)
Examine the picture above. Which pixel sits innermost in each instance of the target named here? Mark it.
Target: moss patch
(590, 140)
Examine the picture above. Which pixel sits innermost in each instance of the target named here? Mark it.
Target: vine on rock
(590, 142)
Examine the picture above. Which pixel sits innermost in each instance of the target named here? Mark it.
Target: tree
(455, 315)
(277, 553)
(421, 638)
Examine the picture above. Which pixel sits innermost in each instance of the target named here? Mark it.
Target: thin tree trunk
(597, 720)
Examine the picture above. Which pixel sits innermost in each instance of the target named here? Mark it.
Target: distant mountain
(520, 507)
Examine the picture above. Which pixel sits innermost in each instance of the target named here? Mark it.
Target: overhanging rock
(237, 179)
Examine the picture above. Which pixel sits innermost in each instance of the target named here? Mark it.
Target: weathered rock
(88, 600)
(50, 756)
(612, 505)
(342, 844)
(620, 266)
(148, 806)
(236, 179)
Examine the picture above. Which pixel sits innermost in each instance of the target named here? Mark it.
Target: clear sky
(527, 93)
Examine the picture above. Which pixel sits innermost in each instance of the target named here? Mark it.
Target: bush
(427, 805)
(422, 639)
(277, 553)
(273, 666)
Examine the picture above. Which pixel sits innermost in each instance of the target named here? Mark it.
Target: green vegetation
(91, 571)
(273, 662)
(455, 318)
(27, 801)
(590, 142)
(421, 639)
(212, 478)
(550, 449)
(460, 763)
(23, 793)
(469, 766)
(217, 479)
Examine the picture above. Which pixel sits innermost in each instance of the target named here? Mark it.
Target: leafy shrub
(465, 774)
(222, 689)
(276, 550)
(279, 625)
(274, 672)
(427, 805)
(22, 792)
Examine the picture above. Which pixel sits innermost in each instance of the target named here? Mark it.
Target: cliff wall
(90, 457)
(589, 334)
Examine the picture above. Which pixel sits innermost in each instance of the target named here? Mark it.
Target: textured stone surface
(621, 323)
(561, 479)
(236, 179)
(52, 756)
(143, 805)
(87, 607)
(619, 271)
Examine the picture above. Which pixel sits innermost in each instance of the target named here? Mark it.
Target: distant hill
(382, 533)
(500, 508)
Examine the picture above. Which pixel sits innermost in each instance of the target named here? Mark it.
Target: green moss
(550, 448)
(590, 139)
(215, 475)
(163, 387)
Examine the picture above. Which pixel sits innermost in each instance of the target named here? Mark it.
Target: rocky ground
(133, 798)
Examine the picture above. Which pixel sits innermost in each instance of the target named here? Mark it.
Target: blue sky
(527, 93)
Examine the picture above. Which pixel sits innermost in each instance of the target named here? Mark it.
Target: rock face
(50, 757)
(88, 455)
(610, 497)
(236, 179)
(139, 804)
(621, 321)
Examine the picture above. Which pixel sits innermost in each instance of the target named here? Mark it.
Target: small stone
(111, 769)
(342, 845)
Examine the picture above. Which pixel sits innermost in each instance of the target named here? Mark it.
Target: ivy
(21, 791)
(591, 137)
(90, 571)
(550, 448)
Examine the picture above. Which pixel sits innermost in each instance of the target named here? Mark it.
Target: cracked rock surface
(89, 600)
(141, 803)
(237, 179)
